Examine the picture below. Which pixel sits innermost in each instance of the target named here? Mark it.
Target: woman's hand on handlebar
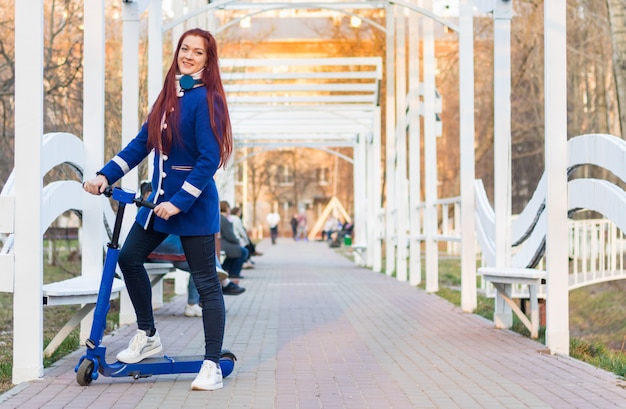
(166, 210)
(96, 185)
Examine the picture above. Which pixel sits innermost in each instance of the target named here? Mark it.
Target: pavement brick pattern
(315, 331)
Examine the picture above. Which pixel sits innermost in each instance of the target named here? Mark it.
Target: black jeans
(200, 254)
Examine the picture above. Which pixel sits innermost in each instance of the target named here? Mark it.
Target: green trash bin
(347, 240)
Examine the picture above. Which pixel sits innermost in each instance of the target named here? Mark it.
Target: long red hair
(167, 102)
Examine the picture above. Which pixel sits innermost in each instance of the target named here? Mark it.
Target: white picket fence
(597, 249)
(597, 253)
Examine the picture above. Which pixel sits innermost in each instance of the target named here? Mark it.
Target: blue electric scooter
(94, 362)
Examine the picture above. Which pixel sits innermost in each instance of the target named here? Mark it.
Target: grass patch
(69, 344)
(598, 314)
(599, 355)
(597, 319)
(66, 265)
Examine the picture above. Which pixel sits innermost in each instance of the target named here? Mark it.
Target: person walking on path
(272, 220)
(294, 226)
(189, 130)
(302, 227)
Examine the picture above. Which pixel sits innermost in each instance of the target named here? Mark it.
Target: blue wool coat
(184, 177)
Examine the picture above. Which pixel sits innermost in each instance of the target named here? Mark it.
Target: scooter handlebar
(127, 196)
(140, 202)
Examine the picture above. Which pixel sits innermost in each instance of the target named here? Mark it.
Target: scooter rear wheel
(84, 373)
(227, 362)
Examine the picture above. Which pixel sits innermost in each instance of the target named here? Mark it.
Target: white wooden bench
(156, 272)
(75, 291)
(84, 291)
(503, 279)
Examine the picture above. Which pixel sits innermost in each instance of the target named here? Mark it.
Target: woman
(189, 130)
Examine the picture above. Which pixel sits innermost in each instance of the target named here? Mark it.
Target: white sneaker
(193, 311)
(140, 347)
(209, 378)
(221, 273)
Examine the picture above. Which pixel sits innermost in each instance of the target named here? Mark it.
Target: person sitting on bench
(236, 255)
(171, 251)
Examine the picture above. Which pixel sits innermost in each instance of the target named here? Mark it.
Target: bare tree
(617, 20)
(63, 45)
(7, 80)
(258, 179)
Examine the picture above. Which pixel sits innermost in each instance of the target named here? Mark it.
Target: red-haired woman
(189, 130)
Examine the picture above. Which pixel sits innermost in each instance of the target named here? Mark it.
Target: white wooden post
(7, 226)
(155, 53)
(390, 146)
(360, 195)
(131, 13)
(371, 200)
(212, 23)
(225, 180)
(375, 233)
(374, 240)
(466, 101)
(244, 185)
(430, 154)
(28, 248)
(177, 31)
(503, 12)
(192, 22)
(401, 179)
(93, 144)
(155, 60)
(555, 46)
(415, 157)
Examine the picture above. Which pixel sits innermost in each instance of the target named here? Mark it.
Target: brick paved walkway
(314, 331)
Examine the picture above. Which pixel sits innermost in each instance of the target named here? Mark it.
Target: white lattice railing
(597, 253)
(596, 250)
(448, 215)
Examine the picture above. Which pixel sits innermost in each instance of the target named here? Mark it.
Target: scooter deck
(164, 365)
(156, 366)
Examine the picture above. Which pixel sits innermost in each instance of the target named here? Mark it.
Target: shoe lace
(137, 341)
(207, 369)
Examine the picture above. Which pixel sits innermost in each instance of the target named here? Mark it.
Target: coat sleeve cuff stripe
(191, 189)
(121, 163)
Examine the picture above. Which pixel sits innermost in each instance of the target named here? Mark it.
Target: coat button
(163, 175)
(161, 192)
(165, 157)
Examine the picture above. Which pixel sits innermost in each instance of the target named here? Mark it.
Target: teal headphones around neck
(187, 82)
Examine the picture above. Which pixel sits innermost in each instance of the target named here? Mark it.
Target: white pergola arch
(27, 210)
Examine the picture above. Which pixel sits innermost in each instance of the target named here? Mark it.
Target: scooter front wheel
(84, 375)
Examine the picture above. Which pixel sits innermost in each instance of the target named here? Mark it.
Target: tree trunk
(617, 20)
